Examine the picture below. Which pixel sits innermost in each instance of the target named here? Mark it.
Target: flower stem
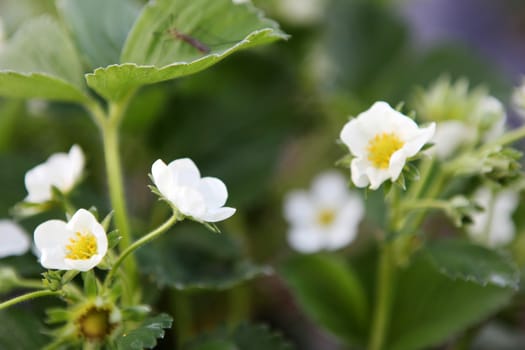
(109, 124)
(509, 137)
(383, 300)
(26, 297)
(139, 243)
(31, 284)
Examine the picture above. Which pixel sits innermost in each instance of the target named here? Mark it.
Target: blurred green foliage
(264, 121)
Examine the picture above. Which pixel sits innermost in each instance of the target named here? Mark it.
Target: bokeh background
(266, 121)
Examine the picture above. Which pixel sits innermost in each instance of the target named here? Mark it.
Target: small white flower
(13, 239)
(494, 226)
(450, 136)
(382, 139)
(61, 170)
(79, 244)
(199, 198)
(326, 217)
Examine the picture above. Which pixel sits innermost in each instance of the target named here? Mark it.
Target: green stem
(509, 137)
(26, 297)
(31, 284)
(427, 204)
(139, 243)
(109, 124)
(383, 301)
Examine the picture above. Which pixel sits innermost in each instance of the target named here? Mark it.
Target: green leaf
(194, 258)
(460, 259)
(146, 335)
(245, 336)
(99, 27)
(151, 54)
(429, 307)
(330, 292)
(21, 329)
(40, 61)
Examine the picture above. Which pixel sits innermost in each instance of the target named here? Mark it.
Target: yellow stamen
(381, 148)
(81, 247)
(326, 217)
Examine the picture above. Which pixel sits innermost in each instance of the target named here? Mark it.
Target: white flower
(449, 136)
(79, 244)
(491, 112)
(381, 139)
(181, 184)
(494, 226)
(61, 170)
(13, 239)
(326, 217)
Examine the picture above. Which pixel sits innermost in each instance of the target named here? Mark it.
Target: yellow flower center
(81, 247)
(326, 217)
(94, 324)
(381, 148)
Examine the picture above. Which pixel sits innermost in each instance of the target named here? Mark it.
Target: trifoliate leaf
(329, 291)
(193, 258)
(460, 259)
(171, 39)
(146, 335)
(429, 307)
(40, 61)
(99, 27)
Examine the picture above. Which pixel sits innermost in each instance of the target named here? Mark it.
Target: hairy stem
(139, 243)
(26, 297)
(383, 299)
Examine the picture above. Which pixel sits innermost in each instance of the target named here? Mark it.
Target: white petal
(219, 214)
(330, 188)
(82, 221)
(51, 234)
(214, 192)
(162, 178)
(53, 258)
(189, 202)
(449, 136)
(76, 161)
(344, 229)
(358, 172)
(13, 239)
(184, 172)
(84, 265)
(377, 176)
(51, 238)
(38, 184)
(299, 208)
(415, 141)
(305, 240)
(396, 165)
(354, 138)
